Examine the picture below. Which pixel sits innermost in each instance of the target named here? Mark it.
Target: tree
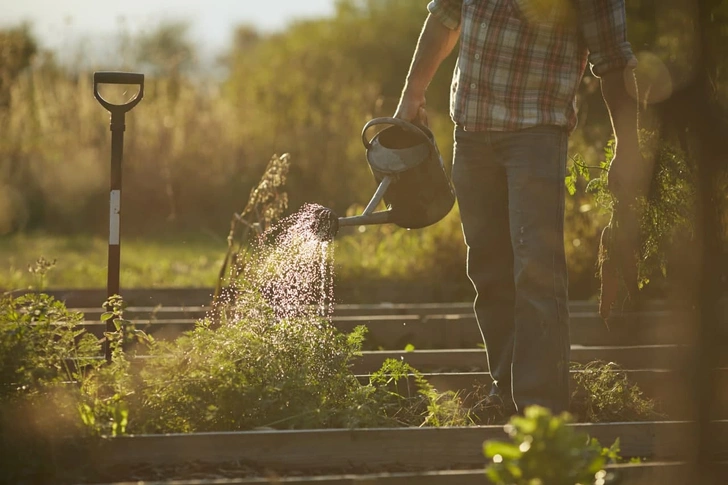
(17, 49)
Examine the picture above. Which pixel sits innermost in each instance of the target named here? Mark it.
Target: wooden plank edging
(663, 473)
(426, 448)
(461, 331)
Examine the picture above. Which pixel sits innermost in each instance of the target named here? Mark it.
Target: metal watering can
(407, 165)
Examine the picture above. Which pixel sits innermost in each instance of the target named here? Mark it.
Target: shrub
(39, 338)
(254, 370)
(545, 450)
(41, 350)
(603, 393)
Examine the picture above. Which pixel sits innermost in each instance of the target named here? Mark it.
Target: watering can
(411, 179)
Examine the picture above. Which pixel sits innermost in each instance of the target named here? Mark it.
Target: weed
(39, 269)
(111, 391)
(406, 398)
(603, 393)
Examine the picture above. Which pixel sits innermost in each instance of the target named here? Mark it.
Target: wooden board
(423, 448)
(189, 297)
(649, 473)
(461, 330)
(468, 360)
(422, 309)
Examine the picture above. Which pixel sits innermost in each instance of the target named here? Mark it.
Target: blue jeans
(510, 190)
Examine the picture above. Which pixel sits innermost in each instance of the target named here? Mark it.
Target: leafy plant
(42, 351)
(406, 398)
(630, 256)
(40, 269)
(254, 370)
(545, 450)
(39, 338)
(603, 393)
(108, 393)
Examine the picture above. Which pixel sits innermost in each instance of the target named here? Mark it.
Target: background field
(201, 138)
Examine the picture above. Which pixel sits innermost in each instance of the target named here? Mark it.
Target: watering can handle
(405, 125)
(115, 77)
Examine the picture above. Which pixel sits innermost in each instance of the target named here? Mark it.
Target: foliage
(603, 393)
(17, 49)
(253, 371)
(407, 399)
(42, 349)
(665, 211)
(544, 449)
(38, 340)
(108, 393)
(167, 49)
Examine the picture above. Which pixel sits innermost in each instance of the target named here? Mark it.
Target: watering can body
(410, 174)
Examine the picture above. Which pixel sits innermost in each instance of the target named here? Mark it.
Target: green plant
(42, 352)
(108, 393)
(603, 393)
(545, 450)
(40, 269)
(406, 398)
(636, 242)
(39, 339)
(249, 369)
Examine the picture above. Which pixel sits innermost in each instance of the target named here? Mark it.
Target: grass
(436, 253)
(184, 261)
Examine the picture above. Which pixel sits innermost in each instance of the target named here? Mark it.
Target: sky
(58, 24)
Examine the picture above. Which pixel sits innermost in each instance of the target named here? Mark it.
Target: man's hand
(629, 174)
(412, 109)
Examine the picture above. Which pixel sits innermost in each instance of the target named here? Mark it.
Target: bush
(41, 350)
(545, 450)
(254, 371)
(39, 338)
(604, 394)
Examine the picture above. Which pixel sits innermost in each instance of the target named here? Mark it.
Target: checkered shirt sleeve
(603, 26)
(447, 12)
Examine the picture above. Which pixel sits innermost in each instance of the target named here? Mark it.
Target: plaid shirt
(520, 65)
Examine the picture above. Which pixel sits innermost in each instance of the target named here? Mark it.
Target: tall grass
(181, 155)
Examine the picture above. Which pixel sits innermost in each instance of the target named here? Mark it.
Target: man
(519, 66)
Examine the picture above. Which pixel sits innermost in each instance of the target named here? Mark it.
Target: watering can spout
(327, 222)
(381, 217)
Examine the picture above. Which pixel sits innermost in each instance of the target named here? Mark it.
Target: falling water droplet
(292, 266)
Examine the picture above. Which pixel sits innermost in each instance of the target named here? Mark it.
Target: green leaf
(507, 450)
(570, 182)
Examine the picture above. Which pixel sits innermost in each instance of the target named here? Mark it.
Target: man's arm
(627, 172)
(434, 45)
(603, 25)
